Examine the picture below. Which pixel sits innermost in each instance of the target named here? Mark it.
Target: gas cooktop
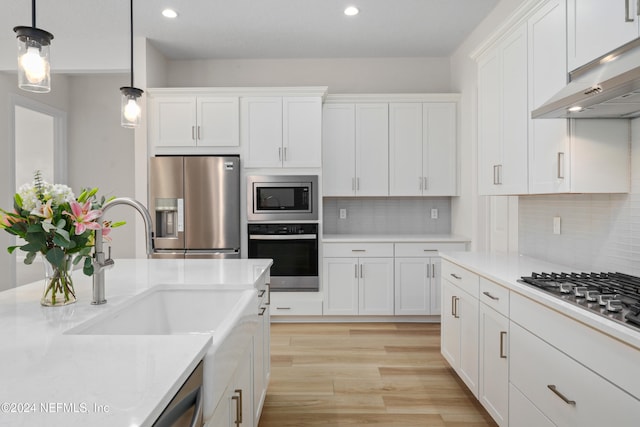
(612, 295)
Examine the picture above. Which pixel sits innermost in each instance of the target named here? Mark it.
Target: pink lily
(106, 229)
(83, 217)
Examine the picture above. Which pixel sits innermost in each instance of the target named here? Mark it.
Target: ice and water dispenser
(169, 216)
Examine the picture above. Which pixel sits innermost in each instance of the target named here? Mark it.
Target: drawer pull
(503, 334)
(455, 276)
(283, 308)
(553, 388)
(262, 292)
(490, 296)
(358, 250)
(268, 285)
(262, 312)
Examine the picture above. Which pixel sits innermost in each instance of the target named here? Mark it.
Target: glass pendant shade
(129, 107)
(33, 59)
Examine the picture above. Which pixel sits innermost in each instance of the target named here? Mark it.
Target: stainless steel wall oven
(294, 250)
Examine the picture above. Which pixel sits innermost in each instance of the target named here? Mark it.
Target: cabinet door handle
(238, 400)
(455, 276)
(285, 154)
(261, 293)
(627, 10)
(268, 285)
(428, 270)
(560, 165)
(263, 309)
(199, 137)
(554, 389)
(361, 276)
(495, 174)
(503, 334)
(355, 271)
(193, 132)
(280, 154)
(426, 183)
(490, 296)
(457, 315)
(433, 271)
(453, 306)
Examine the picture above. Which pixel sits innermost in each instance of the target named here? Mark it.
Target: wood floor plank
(357, 374)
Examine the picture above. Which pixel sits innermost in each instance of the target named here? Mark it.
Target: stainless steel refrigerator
(195, 206)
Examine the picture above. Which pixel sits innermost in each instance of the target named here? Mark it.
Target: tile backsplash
(389, 215)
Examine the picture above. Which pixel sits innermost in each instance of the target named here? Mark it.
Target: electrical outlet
(434, 213)
(556, 225)
(343, 214)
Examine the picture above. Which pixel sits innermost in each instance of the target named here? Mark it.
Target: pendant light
(130, 110)
(33, 56)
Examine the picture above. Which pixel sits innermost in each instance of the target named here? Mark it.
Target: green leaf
(88, 267)
(17, 202)
(36, 228)
(11, 249)
(32, 247)
(118, 224)
(55, 256)
(29, 258)
(61, 241)
(47, 226)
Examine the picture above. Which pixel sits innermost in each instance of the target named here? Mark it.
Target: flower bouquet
(56, 224)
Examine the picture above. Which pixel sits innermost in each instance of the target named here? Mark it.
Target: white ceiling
(222, 29)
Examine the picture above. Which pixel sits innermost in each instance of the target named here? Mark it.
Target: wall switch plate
(434, 213)
(556, 225)
(343, 214)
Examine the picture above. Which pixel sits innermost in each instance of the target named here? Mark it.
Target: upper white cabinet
(503, 116)
(194, 121)
(422, 149)
(355, 149)
(596, 27)
(281, 131)
(518, 155)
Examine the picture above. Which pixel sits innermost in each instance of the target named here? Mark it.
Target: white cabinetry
(358, 279)
(417, 279)
(503, 116)
(235, 408)
(568, 156)
(494, 348)
(596, 27)
(183, 120)
(355, 150)
(261, 351)
(281, 131)
(422, 149)
(459, 337)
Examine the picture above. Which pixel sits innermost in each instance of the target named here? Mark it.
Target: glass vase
(58, 284)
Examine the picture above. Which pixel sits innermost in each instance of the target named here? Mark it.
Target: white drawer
(564, 390)
(426, 249)
(495, 296)
(283, 304)
(461, 277)
(358, 250)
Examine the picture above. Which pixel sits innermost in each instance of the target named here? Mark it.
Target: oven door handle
(283, 236)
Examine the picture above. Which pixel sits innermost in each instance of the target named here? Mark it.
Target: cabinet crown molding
(320, 91)
(391, 97)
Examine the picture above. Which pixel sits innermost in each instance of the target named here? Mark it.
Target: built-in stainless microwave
(282, 197)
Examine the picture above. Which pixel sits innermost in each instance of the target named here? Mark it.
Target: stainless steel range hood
(606, 88)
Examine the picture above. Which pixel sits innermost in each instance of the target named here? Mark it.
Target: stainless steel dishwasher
(185, 409)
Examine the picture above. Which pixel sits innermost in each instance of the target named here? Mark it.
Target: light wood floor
(356, 374)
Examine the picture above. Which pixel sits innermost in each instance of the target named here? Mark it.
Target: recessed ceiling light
(169, 13)
(351, 11)
(575, 109)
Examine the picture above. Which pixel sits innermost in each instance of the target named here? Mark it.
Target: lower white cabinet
(459, 336)
(296, 304)
(262, 351)
(494, 364)
(523, 413)
(358, 286)
(235, 409)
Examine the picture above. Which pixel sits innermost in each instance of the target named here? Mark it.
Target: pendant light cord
(33, 13)
(131, 16)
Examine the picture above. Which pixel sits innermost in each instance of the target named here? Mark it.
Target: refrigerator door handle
(180, 215)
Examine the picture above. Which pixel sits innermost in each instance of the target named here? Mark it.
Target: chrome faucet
(100, 262)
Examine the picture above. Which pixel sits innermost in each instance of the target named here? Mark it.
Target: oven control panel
(267, 229)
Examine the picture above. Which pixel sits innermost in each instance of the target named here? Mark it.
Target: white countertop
(506, 269)
(49, 378)
(392, 238)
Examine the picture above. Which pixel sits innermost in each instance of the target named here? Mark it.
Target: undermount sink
(228, 315)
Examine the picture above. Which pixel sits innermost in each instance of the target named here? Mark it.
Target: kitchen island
(48, 377)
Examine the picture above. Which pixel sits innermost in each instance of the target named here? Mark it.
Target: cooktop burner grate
(612, 295)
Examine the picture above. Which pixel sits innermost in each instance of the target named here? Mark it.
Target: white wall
(101, 152)
(342, 75)
(57, 98)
